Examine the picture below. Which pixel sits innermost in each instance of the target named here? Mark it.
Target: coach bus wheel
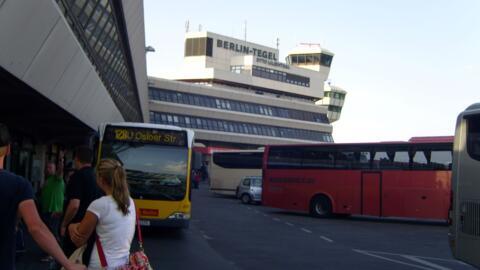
(245, 198)
(320, 206)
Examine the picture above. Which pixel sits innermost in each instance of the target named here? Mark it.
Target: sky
(409, 66)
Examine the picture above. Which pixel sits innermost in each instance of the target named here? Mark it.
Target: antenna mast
(187, 26)
(278, 43)
(245, 32)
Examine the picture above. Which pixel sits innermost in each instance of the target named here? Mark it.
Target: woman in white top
(111, 216)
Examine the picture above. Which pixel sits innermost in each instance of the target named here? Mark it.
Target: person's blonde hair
(114, 175)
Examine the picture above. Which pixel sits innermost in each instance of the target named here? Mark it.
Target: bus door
(371, 186)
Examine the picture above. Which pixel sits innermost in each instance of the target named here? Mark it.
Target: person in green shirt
(52, 198)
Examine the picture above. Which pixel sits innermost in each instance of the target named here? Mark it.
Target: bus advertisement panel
(227, 168)
(464, 231)
(407, 180)
(157, 160)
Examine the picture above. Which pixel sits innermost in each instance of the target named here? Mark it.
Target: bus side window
(401, 160)
(317, 158)
(441, 160)
(381, 160)
(362, 160)
(284, 158)
(344, 160)
(473, 137)
(419, 161)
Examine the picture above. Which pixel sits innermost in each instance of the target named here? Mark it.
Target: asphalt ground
(225, 234)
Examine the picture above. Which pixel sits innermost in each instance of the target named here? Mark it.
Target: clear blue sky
(409, 66)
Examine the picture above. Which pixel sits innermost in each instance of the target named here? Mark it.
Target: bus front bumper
(165, 223)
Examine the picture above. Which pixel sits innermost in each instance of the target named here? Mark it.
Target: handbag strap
(139, 230)
(101, 254)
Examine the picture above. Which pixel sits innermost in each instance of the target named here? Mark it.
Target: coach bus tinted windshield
(154, 172)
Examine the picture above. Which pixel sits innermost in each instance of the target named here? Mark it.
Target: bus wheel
(245, 198)
(320, 206)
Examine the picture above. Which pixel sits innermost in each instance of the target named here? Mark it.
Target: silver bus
(464, 231)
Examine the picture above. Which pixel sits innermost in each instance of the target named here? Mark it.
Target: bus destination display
(143, 135)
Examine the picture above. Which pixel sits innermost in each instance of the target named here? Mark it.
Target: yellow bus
(464, 231)
(157, 159)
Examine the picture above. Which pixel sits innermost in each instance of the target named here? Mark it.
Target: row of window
(233, 105)
(335, 95)
(310, 59)
(321, 158)
(238, 160)
(276, 75)
(238, 127)
(199, 46)
(96, 26)
(334, 108)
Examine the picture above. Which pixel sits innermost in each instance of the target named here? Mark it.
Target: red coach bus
(395, 179)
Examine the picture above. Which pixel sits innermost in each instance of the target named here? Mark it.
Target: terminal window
(199, 46)
(234, 105)
(276, 75)
(237, 127)
(311, 59)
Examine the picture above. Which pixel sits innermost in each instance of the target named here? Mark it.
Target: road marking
(326, 239)
(421, 262)
(289, 224)
(249, 208)
(256, 212)
(421, 257)
(390, 260)
(276, 219)
(307, 231)
(265, 215)
(207, 237)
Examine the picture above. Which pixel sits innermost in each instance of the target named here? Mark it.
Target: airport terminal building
(65, 67)
(238, 94)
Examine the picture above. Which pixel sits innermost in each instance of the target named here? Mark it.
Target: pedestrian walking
(196, 179)
(112, 217)
(16, 200)
(52, 198)
(80, 192)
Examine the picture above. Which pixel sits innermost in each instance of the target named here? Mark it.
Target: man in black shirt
(80, 192)
(16, 200)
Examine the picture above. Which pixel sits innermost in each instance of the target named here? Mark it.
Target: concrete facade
(224, 74)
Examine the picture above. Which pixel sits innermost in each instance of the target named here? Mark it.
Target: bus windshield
(154, 172)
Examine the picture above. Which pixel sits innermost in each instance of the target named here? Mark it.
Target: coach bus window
(344, 160)
(419, 160)
(401, 160)
(381, 161)
(284, 158)
(318, 158)
(441, 160)
(362, 160)
(473, 137)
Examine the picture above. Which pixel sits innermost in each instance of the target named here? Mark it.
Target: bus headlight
(179, 215)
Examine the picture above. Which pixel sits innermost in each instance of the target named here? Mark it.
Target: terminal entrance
(39, 128)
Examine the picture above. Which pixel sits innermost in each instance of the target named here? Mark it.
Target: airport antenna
(187, 26)
(245, 32)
